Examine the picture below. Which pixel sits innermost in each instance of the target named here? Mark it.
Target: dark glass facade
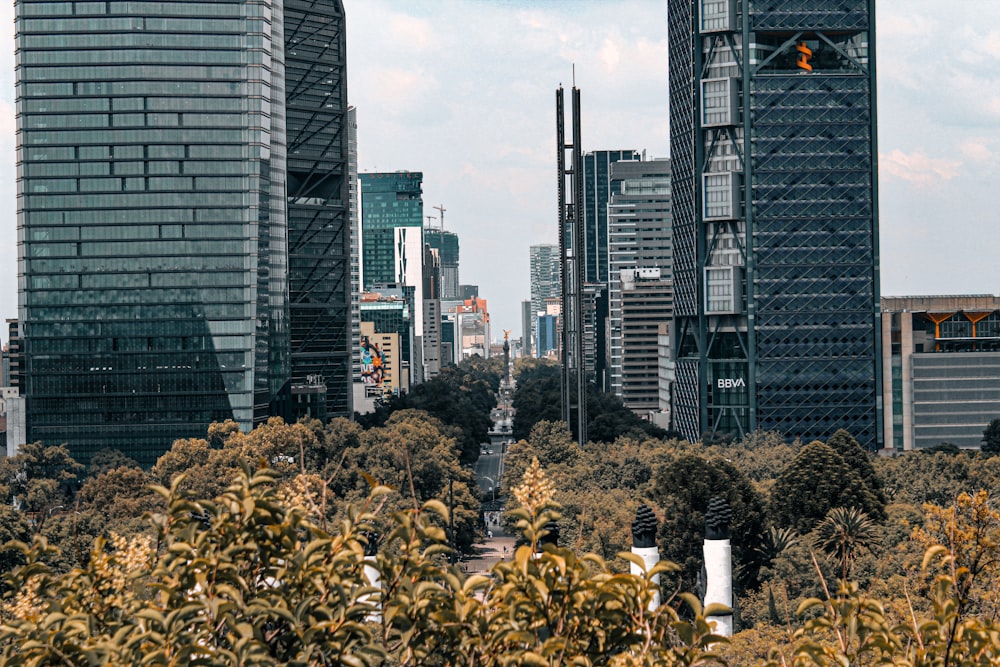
(596, 195)
(151, 219)
(775, 218)
(319, 225)
(388, 200)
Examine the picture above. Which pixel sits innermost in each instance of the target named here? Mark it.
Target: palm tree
(842, 533)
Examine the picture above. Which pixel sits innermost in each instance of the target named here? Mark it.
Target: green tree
(538, 398)
(39, 479)
(858, 460)
(461, 397)
(844, 532)
(246, 578)
(813, 483)
(682, 488)
(207, 471)
(937, 477)
(991, 438)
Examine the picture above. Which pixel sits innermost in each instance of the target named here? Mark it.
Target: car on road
(489, 451)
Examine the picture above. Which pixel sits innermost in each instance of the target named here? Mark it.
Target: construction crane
(429, 218)
(441, 209)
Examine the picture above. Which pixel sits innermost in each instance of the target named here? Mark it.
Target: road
(489, 473)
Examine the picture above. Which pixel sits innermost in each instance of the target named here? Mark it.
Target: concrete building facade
(940, 369)
(639, 248)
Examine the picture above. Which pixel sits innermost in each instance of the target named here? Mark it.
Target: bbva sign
(730, 383)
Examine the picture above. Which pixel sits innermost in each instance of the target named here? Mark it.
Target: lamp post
(493, 486)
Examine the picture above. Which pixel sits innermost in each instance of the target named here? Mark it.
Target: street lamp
(493, 486)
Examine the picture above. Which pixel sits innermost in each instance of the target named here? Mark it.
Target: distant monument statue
(644, 546)
(719, 563)
(506, 355)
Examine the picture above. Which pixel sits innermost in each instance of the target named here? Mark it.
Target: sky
(464, 91)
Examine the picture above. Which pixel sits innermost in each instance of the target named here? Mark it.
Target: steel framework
(319, 232)
(775, 218)
(570, 202)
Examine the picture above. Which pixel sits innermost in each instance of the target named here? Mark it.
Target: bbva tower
(773, 147)
(184, 248)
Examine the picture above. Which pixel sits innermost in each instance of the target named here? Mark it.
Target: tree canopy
(815, 481)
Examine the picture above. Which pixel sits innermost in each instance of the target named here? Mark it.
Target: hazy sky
(464, 90)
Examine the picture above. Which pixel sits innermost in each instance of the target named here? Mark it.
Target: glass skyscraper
(152, 217)
(388, 201)
(319, 224)
(775, 227)
(596, 195)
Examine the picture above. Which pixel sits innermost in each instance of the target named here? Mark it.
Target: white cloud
(415, 33)
(917, 167)
(899, 20)
(977, 149)
(610, 55)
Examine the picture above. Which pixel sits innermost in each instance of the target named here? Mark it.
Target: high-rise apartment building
(545, 284)
(639, 253)
(155, 150)
(646, 303)
(775, 232)
(388, 201)
(319, 222)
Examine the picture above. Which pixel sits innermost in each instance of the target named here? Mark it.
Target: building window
(718, 15)
(721, 192)
(719, 102)
(723, 290)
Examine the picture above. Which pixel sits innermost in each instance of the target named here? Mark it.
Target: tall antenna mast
(441, 209)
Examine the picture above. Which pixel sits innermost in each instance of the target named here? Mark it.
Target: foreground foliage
(249, 578)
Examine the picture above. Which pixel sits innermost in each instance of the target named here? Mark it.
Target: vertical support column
(374, 578)
(906, 352)
(644, 546)
(887, 427)
(573, 372)
(564, 249)
(581, 364)
(719, 564)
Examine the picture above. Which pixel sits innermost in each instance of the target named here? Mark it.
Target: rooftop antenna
(441, 209)
(574, 75)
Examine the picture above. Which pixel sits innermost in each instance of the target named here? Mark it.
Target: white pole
(719, 564)
(644, 546)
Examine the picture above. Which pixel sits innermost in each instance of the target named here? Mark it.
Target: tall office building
(319, 222)
(354, 207)
(773, 149)
(388, 201)
(526, 318)
(596, 195)
(640, 267)
(153, 174)
(431, 337)
(446, 243)
(545, 283)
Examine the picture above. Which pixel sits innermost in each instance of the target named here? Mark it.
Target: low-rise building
(940, 370)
